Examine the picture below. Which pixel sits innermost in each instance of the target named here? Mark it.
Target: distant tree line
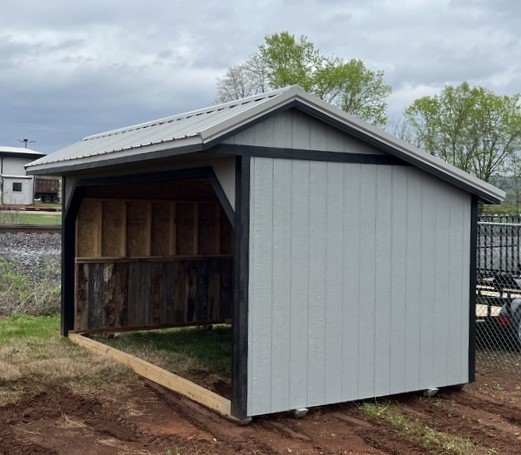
(469, 127)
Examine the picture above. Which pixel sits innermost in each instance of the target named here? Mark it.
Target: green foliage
(211, 348)
(17, 217)
(22, 326)
(285, 60)
(470, 127)
(420, 432)
(23, 293)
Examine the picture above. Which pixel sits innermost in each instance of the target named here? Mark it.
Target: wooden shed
(344, 257)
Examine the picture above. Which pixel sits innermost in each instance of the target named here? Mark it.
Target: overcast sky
(73, 68)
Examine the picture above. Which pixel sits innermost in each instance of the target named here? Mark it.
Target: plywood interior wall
(118, 228)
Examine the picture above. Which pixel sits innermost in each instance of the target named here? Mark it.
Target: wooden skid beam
(158, 375)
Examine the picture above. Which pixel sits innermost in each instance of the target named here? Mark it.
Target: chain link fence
(498, 311)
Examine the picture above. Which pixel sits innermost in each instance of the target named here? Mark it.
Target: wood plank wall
(152, 293)
(152, 263)
(134, 228)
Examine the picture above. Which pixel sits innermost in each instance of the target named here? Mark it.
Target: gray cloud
(68, 69)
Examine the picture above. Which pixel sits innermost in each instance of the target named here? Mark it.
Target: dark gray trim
(474, 212)
(308, 155)
(61, 167)
(31, 156)
(374, 141)
(205, 172)
(70, 211)
(239, 399)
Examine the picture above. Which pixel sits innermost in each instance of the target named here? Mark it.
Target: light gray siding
(295, 129)
(359, 283)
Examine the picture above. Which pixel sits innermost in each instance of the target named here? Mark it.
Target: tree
(283, 60)
(470, 127)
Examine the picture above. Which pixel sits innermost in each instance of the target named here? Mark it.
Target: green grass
(34, 357)
(197, 347)
(12, 217)
(421, 433)
(23, 292)
(22, 326)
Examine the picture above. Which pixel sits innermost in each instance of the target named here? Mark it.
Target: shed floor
(201, 355)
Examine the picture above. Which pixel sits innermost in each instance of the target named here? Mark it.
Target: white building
(16, 188)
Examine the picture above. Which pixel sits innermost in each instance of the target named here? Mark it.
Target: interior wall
(152, 254)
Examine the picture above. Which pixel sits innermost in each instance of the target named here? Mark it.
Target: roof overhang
(226, 120)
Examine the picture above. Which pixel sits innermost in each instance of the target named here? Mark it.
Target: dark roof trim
(375, 142)
(309, 155)
(29, 156)
(74, 165)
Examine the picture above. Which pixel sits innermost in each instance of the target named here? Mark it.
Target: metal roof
(199, 130)
(19, 152)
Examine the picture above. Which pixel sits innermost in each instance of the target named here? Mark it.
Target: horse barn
(343, 257)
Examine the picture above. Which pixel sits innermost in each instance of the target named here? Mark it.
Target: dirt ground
(150, 420)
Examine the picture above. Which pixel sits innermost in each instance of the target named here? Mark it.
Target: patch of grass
(17, 217)
(21, 326)
(33, 356)
(180, 349)
(36, 294)
(420, 433)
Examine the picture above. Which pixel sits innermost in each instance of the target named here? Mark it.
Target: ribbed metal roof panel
(166, 130)
(172, 135)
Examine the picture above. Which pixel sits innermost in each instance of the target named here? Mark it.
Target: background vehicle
(47, 189)
(510, 321)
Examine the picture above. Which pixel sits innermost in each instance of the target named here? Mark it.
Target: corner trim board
(474, 212)
(241, 282)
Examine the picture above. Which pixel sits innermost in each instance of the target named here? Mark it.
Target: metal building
(353, 253)
(16, 188)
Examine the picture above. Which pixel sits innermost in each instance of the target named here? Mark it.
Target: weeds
(33, 356)
(420, 433)
(35, 294)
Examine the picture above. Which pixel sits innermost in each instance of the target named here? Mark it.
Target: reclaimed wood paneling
(113, 232)
(115, 228)
(209, 235)
(88, 230)
(185, 224)
(138, 228)
(142, 293)
(161, 228)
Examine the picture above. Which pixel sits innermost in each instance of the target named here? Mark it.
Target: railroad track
(31, 228)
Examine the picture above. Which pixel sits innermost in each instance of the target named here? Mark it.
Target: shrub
(35, 292)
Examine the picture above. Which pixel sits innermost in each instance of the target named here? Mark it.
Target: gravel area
(30, 273)
(31, 253)
(30, 250)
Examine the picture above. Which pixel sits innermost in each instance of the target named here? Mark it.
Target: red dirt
(153, 421)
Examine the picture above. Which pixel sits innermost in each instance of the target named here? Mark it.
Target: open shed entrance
(151, 255)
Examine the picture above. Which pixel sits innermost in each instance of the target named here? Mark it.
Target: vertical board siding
(358, 283)
(295, 129)
(317, 282)
(299, 283)
(261, 253)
